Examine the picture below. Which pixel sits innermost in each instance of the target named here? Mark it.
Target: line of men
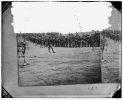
(114, 35)
(69, 40)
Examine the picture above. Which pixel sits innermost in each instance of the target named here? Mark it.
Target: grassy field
(65, 67)
(111, 68)
(70, 66)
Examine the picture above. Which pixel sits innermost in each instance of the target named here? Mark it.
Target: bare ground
(70, 66)
(111, 68)
(66, 66)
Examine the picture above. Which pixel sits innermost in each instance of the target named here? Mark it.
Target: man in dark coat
(49, 44)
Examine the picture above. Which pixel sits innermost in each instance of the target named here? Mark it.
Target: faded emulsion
(57, 59)
(9, 44)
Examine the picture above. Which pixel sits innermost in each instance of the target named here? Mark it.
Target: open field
(66, 66)
(111, 68)
(70, 65)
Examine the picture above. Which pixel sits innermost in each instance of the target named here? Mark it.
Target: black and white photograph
(62, 44)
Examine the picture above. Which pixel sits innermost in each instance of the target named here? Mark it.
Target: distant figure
(50, 46)
(93, 41)
(103, 44)
(22, 47)
(22, 50)
(103, 48)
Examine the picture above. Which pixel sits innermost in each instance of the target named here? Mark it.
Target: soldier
(69, 40)
(63, 41)
(57, 42)
(103, 44)
(45, 42)
(22, 48)
(73, 40)
(97, 36)
(41, 42)
(66, 41)
(87, 40)
(83, 41)
(50, 46)
(78, 40)
(93, 41)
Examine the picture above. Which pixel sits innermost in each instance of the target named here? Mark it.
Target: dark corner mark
(5, 94)
(5, 5)
(117, 5)
(117, 94)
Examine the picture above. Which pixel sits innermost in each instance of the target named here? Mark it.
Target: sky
(61, 17)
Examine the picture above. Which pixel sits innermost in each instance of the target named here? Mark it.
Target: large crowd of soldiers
(59, 40)
(70, 40)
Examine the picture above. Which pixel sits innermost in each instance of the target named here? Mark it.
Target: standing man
(93, 41)
(103, 44)
(50, 46)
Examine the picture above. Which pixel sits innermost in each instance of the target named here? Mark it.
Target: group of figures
(69, 40)
(109, 34)
(51, 40)
(59, 40)
(114, 35)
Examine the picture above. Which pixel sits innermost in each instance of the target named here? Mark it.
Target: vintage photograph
(67, 43)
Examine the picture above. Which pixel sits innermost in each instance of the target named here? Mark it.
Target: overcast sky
(60, 17)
